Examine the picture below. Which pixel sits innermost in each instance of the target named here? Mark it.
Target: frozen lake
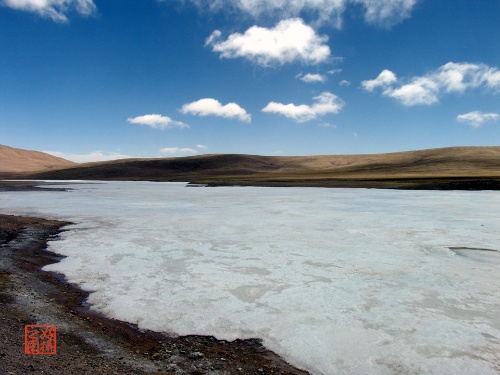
(337, 281)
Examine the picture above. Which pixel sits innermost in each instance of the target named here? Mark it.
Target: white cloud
(178, 151)
(492, 78)
(54, 9)
(477, 118)
(344, 82)
(386, 13)
(425, 90)
(323, 11)
(326, 10)
(334, 71)
(209, 106)
(378, 12)
(157, 122)
(312, 78)
(213, 38)
(421, 90)
(202, 147)
(384, 79)
(290, 40)
(87, 158)
(325, 103)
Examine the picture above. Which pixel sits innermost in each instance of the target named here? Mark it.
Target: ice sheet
(338, 281)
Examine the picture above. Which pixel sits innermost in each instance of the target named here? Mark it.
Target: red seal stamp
(40, 339)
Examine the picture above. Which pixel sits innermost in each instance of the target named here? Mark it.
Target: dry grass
(14, 161)
(455, 167)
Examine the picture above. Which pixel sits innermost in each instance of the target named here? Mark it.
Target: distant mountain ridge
(14, 161)
(442, 168)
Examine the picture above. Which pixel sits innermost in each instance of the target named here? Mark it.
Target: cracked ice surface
(337, 281)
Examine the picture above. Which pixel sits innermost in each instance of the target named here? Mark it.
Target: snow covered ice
(337, 281)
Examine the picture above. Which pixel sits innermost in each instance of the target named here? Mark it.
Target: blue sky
(97, 80)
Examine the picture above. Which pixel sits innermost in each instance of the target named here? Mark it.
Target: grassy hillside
(16, 162)
(455, 167)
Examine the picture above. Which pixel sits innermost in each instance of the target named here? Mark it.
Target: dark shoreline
(441, 184)
(89, 343)
(27, 186)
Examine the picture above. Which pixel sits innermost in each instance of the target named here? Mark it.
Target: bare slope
(436, 168)
(14, 161)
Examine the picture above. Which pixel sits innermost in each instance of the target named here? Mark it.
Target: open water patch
(477, 253)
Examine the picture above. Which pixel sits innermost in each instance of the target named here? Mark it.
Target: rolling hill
(17, 162)
(443, 168)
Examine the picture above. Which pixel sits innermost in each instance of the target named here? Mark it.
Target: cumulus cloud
(157, 122)
(54, 9)
(427, 89)
(209, 106)
(290, 40)
(457, 77)
(91, 157)
(178, 151)
(202, 147)
(421, 90)
(477, 118)
(378, 12)
(313, 78)
(325, 103)
(384, 79)
(344, 82)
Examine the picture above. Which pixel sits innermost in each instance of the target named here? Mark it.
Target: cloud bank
(427, 89)
(325, 103)
(91, 157)
(178, 151)
(477, 118)
(54, 9)
(290, 40)
(182, 151)
(157, 122)
(212, 107)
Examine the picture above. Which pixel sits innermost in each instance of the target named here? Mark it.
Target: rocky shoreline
(88, 343)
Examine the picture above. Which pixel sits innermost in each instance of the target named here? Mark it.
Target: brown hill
(444, 168)
(15, 162)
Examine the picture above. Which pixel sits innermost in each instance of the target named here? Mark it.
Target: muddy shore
(88, 343)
